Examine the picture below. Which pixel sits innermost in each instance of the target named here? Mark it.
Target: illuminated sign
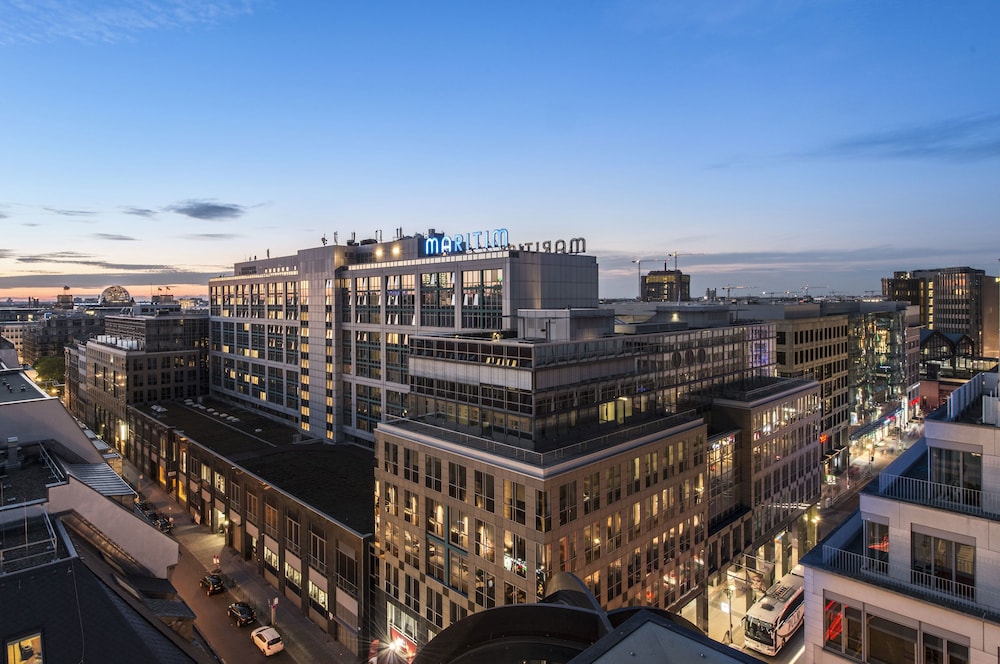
(476, 240)
(497, 239)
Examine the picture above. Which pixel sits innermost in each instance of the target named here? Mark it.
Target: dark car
(212, 584)
(243, 613)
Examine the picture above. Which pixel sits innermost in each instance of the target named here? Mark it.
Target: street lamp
(730, 589)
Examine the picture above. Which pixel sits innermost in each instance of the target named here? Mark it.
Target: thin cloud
(210, 236)
(139, 212)
(31, 224)
(3, 216)
(109, 21)
(5, 253)
(205, 209)
(971, 138)
(100, 281)
(69, 213)
(75, 258)
(113, 236)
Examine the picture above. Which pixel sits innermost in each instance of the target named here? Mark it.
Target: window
(432, 472)
(485, 538)
(942, 650)
(613, 481)
(410, 507)
(26, 648)
(459, 572)
(317, 551)
(456, 481)
(293, 579)
(484, 490)
(318, 598)
(513, 501)
(591, 543)
(543, 512)
(514, 553)
(271, 520)
(411, 550)
(435, 560)
(292, 535)
(347, 572)
(890, 642)
(592, 492)
(434, 607)
(943, 564)
(411, 595)
(486, 592)
(391, 460)
(514, 595)
(567, 503)
(411, 465)
(459, 530)
(271, 561)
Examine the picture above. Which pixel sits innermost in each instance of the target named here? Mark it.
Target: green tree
(51, 368)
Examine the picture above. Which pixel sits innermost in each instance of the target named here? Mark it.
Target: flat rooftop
(16, 387)
(337, 480)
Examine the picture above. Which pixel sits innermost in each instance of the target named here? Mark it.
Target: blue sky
(772, 144)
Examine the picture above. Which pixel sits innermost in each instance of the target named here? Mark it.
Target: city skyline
(772, 145)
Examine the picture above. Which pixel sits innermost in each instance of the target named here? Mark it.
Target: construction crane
(805, 289)
(730, 289)
(675, 254)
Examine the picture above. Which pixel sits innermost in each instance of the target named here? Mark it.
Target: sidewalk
(304, 640)
(864, 469)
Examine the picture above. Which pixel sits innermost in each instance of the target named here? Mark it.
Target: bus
(773, 619)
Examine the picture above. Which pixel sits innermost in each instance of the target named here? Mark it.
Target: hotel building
(321, 338)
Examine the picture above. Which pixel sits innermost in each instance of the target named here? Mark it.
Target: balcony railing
(982, 601)
(970, 502)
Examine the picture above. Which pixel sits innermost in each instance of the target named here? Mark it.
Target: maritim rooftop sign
(439, 245)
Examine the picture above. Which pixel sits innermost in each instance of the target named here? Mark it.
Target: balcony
(970, 502)
(903, 579)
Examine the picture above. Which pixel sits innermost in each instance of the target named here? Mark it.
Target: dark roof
(337, 480)
(77, 613)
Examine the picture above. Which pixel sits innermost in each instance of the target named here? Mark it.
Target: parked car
(242, 612)
(267, 640)
(212, 584)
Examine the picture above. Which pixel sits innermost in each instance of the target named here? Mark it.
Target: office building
(666, 286)
(642, 463)
(909, 577)
(321, 338)
(953, 300)
(150, 353)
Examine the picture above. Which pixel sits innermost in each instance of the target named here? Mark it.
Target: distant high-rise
(954, 300)
(666, 286)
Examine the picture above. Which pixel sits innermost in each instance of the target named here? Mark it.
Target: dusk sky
(773, 144)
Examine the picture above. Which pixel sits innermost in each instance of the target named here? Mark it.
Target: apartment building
(908, 578)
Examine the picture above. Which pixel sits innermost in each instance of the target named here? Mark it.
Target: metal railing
(971, 502)
(981, 601)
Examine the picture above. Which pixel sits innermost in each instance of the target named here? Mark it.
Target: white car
(267, 639)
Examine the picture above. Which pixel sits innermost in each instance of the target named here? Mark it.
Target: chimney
(13, 460)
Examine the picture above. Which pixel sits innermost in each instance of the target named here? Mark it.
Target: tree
(51, 368)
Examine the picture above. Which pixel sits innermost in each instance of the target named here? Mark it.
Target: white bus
(773, 618)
